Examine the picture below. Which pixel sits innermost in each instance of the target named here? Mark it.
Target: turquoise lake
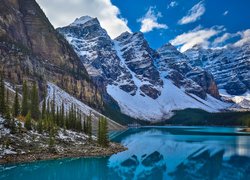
(153, 153)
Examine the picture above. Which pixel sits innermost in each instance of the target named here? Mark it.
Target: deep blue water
(153, 153)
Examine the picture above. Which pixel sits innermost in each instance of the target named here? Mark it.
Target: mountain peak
(82, 20)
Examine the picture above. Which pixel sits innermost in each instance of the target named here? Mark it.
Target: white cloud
(193, 14)
(172, 4)
(245, 37)
(64, 12)
(197, 36)
(222, 39)
(150, 21)
(225, 13)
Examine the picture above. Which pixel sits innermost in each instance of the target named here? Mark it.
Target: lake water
(153, 153)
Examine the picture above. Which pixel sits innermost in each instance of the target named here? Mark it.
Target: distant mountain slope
(230, 67)
(147, 84)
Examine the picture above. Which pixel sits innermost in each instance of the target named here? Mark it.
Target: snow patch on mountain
(80, 21)
(242, 102)
(171, 98)
(61, 96)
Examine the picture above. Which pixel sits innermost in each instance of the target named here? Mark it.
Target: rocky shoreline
(245, 130)
(86, 150)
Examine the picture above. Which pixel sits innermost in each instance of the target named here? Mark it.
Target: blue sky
(184, 23)
(233, 15)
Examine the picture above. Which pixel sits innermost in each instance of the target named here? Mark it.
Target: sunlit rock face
(31, 49)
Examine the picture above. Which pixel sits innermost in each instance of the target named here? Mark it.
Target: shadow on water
(153, 153)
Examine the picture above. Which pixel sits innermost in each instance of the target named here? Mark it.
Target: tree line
(51, 117)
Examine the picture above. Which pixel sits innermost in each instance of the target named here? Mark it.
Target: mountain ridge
(146, 82)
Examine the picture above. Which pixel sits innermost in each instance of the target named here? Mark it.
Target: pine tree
(99, 138)
(25, 103)
(16, 105)
(7, 111)
(40, 126)
(53, 106)
(44, 108)
(102, 136)
(27, 123)
(2, 96)
(89, 126)
(35, 112)
(105, 133)
(62, 119)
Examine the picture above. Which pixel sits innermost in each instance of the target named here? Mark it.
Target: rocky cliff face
(147, 84)
(230, 66)
(138, 57)
(31, 49)
(176, 67)
(96, 51)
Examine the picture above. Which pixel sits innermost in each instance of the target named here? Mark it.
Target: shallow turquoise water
(153, 153)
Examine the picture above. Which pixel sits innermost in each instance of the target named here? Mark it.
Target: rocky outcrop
(126, 62)
(230, 66)
(31, 49)
(139, 58)
(97, 52)
(176, 67)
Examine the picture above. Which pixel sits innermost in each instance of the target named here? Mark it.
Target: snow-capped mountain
(176, 67)
(230, 67)
(96, 51)
(147, 84)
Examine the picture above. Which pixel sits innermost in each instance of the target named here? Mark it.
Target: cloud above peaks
(64, 12)
(245, 38)
(149, 21)
(197, 36)
(193, 14)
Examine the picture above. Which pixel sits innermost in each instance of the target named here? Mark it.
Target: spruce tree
(44, 108)
(99, 138)
(40, 126)
(105, 133)
(27, 123)
(102, 136)
(34, 106)
(2, 96)
(89, 126)
(25, 102)
(16, 105)
(62, 119)
(7, 111)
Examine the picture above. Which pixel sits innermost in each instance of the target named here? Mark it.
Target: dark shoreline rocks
(81, 151)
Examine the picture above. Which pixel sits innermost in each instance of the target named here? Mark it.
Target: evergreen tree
(34, 109)
(85, 126)
(99, 138)
(53, 106)
(19, 127)
(27, 123)
(40, 126)
(2, 96)
(62, 119)
(105, 133)
(16, 105)
(7, 111)
(102, 136)
(25, 102)
(44, 108)
(89, 126)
